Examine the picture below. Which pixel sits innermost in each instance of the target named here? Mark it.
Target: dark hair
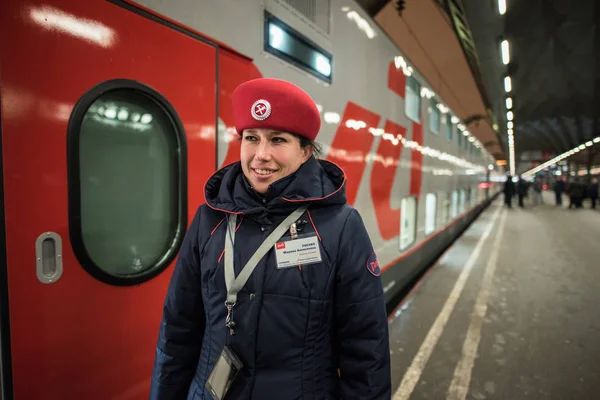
(317, 149)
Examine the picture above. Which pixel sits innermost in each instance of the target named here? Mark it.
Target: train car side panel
(73, 335)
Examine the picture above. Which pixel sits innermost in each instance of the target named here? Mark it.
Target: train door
(108, 135)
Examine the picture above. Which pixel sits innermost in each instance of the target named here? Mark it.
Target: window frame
(435, 214)
(74, 187)
(433, 104)
(449, 128)
(454, 206)
(411, 78)
(416, 220)
(272, 19)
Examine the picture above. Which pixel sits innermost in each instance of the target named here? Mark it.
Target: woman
(310, 321)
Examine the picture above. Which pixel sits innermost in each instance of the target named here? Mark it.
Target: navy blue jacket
(296, 328)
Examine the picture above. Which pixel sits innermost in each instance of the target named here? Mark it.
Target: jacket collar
(317, 182)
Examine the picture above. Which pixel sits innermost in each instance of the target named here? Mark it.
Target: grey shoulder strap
(234, 285)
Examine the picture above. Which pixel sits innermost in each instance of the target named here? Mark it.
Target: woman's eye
(250, 138)
(278, 140)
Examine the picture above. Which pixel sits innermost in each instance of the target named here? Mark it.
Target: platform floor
(510, 311)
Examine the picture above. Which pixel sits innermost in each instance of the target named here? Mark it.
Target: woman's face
(269, 155)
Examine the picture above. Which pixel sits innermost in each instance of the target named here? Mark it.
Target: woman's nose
(263, 151)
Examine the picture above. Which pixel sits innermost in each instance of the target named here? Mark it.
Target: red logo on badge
(280, 245)
(373, 265)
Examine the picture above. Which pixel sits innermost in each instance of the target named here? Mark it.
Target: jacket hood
(317, 182)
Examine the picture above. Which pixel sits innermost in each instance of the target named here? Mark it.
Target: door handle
(48, 253)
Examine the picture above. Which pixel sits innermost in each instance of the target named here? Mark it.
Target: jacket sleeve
(360, 317)
(182, 326)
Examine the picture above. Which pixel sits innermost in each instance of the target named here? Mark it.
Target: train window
(430, 213)
(412, 105)
(459, 138)
(449, 127)
(454, 204)
(461, 204)
(288, 44)
(126, 162)
(408, 227)
(434, 117)
(444, 212)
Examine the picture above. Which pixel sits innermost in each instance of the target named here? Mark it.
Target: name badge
(292, 253)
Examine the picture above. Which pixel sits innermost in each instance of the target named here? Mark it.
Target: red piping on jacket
(313, 225)
(236, 229)
(218, 225)
(321, 198)
(204, 190)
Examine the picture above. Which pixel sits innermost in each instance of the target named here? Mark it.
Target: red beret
(275, 104)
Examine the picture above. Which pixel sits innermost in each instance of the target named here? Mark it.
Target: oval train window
(127, 209)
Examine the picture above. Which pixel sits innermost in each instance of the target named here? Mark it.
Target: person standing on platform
(559, 188)
(576, 193)
(593, 192)
(509, 191)
(537, 191)
(276, 293)
(522, 188)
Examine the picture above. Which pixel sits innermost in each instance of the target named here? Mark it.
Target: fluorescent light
(502, 6)
(505, 52)
(510, 131)
(582, 147)
(597, 140)
(332, 117)
(508, 103)
(588, 144)
(509, 124)
(55, 19)
(509, 115)
(507, 84)
(276, 36)
(323, 65)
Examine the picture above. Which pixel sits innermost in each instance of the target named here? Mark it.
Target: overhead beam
(458, 16)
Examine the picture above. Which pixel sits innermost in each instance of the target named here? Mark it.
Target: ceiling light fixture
(502, 6)
(560, 157)
(507, 84)
(505, 49)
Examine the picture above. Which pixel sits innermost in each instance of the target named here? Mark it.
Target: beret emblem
(261, 109)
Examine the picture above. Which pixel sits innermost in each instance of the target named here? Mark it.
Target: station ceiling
(554, 68)
(554, 45)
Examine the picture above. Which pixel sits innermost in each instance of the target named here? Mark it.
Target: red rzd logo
(280, 245)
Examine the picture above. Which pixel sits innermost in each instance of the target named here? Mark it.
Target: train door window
(468, 197)
(412, 105)
(408, 221)
(434, 117)
(430, 213)
(449, 127)
(444, 208)
(461, 204)
(454, 203)
(126, 183)
(459, 138)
